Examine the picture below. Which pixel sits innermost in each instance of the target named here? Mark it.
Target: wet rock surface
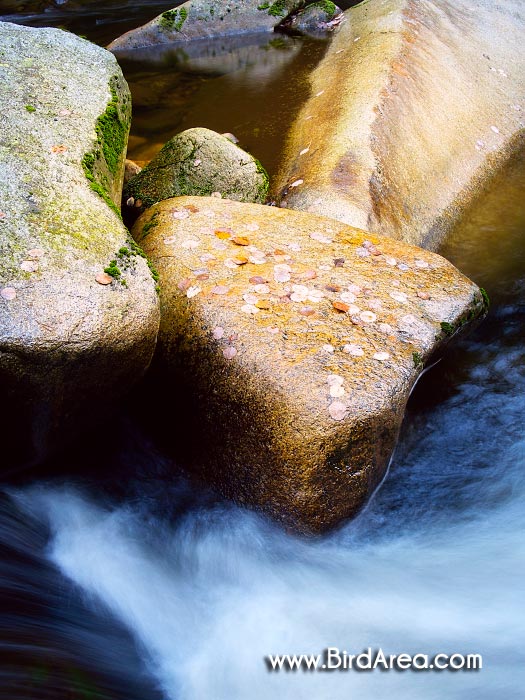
(415, 107)
(203, 19)
(78, 307)
(289, 344)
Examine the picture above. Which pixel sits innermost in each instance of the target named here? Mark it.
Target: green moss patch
(172, 20)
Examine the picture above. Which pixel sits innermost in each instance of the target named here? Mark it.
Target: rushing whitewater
(435, 564)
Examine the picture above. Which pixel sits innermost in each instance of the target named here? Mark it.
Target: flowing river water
(118, 581)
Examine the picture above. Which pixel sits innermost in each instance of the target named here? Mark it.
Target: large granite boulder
(198, 162)
(315, 19)
(288, 346)
(204, 19)
(78, 306)
(415, 106)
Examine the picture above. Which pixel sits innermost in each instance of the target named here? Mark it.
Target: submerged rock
(198, 162)
(288, 347)
(203, 19)
(315, 19)
(78, 308)
(415, 106)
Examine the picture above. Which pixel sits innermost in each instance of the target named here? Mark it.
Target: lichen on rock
(71, 340)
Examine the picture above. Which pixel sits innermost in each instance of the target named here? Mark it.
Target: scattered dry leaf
(8, 293)
(262, 304)
(229, 352)
(220, 289)
(341, 306)
(103, 278)
(240, 240)
(337, 410)
(193, 291)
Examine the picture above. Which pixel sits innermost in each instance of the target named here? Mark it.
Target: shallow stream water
(117, 580)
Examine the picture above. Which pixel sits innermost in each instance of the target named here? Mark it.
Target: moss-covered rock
(198, 162)
(288, 347)
(72, 337)
(415, 106)
(202, 19)
(315, 19)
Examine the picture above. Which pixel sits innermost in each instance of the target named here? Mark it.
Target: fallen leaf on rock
(252, 226)
(257, 279)
(321, 237)
(335, 379)
(328, 348)
(307, 311)
(249, 309)
(337, 391)
(297, 183)
(340, 306)
(220, 289)
(308, 275)
(250, 298)
(191, 208)
(178, 213)
(184, 284)
(348, 297)
(190, 243)
(193, 291)
(240, 240)
(422, 264)
(423, 295)
(58, 149)
(29, 266)
(368, 317)
(337, 410)
(103, 278)
(263, 304)
(223, 235)
(354, 350)
(229, 352)
(218, 333)
(36, 253)
(8, 293)
(381, 356)
(240, 260)
(399, 296)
